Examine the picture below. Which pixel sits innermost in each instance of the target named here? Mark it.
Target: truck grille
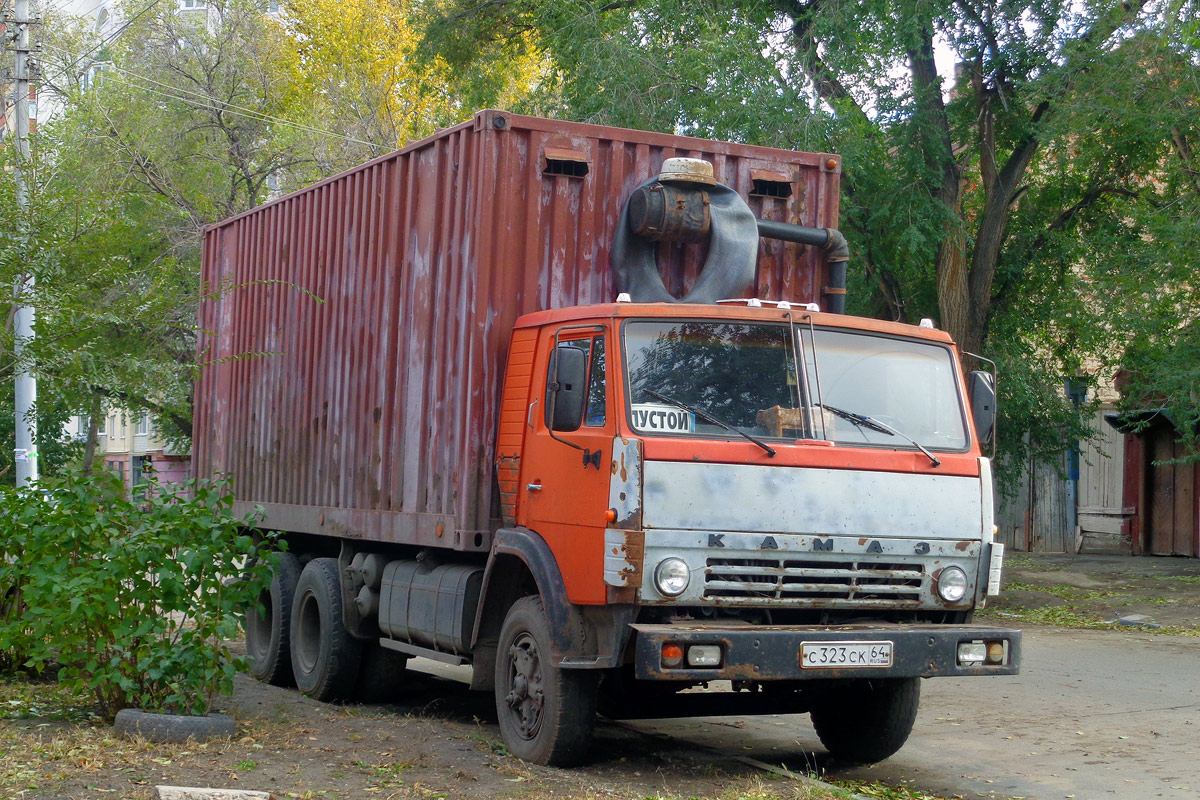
(859, 582)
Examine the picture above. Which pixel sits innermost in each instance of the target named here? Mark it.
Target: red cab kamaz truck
(577, 406)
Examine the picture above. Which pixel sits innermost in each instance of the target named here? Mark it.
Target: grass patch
(879, 791)
(22, 699)
(1193, 579)
(1077, 612)
(1066, 617)
(1073, 593)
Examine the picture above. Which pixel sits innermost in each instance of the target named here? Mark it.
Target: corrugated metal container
(355, 332)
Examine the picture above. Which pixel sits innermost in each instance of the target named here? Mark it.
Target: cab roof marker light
(784, 305)
(926, 322)
(754, 302)
(624, 297)
(812, 307)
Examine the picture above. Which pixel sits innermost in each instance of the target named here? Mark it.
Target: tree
(1004, 195)
(194, 119)
(358, 64)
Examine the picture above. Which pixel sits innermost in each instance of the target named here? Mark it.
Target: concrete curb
(189, 793)
(132, 723)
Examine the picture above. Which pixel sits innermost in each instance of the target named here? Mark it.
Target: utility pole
(26, 385)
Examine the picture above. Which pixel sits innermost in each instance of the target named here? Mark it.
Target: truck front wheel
(269, 623)
(547, 714)
(864, 721)
(325, 657)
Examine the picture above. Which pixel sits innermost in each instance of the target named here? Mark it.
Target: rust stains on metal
(624, 553)
(625, 485)
(508, 472)
(387, 296)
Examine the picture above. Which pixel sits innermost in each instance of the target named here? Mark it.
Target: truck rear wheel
(864, 721)
(547, 714)
(268, 625)
(325, 657)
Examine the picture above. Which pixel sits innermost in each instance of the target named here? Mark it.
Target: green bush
(133, 598)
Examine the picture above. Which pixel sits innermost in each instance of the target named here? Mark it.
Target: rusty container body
(354, 333)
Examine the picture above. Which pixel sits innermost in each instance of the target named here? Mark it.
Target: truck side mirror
(566, 388)
(982, 390)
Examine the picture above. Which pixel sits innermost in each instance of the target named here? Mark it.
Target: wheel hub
(526, 694)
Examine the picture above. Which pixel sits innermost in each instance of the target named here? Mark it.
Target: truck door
(565, 472)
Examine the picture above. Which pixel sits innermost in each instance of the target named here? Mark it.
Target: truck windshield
(745, 374)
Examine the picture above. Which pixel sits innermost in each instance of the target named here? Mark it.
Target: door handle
(533, 487)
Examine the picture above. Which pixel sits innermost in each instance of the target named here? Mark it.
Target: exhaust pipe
(830, 240)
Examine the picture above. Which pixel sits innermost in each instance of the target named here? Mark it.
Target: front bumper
(772, 652)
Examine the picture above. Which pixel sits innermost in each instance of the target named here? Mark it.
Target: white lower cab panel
(824, 502)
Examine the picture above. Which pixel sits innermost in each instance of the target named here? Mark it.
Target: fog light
(952, 584)
(672, 655)
(995, 653)
(671, 576)
(704, 655)
(972, 652)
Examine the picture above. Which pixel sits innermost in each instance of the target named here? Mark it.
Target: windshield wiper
(875, 425)
(710, 418)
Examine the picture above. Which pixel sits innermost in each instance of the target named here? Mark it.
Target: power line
(206, 102)
(104, 42)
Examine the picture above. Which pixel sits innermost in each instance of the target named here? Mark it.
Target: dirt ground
(442, 740)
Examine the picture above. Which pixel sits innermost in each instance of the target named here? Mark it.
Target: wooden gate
(1102, 511)
(1171, 496)
(1035, 518)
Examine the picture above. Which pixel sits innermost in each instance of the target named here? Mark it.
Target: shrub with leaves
(130, 596)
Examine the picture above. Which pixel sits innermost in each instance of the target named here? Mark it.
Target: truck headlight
(671, 576)
(952, 584)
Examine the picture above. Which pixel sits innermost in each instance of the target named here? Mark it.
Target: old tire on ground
(325, 657)
(381, 676)
(269, 624)
(864, 721)
(547, 714)
(177, 728)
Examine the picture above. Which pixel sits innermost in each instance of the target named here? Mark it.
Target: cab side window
(591, 353)
(594, 416)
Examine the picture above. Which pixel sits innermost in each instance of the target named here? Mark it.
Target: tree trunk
(93, 433)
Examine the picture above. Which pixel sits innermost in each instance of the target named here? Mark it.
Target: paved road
(1094, 714)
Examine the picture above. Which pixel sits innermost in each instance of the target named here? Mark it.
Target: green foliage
(1036, 194)
(128, 595)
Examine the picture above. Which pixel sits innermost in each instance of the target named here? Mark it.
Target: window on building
(143, 425)
(139, 468)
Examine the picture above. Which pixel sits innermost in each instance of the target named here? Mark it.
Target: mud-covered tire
(269, 623)
(381, 676)
(547, 714)
(864, 721)
(325, 657)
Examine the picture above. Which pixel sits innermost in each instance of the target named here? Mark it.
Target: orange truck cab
(758, 493)
(513, 397)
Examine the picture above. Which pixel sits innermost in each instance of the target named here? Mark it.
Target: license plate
(845, 655)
